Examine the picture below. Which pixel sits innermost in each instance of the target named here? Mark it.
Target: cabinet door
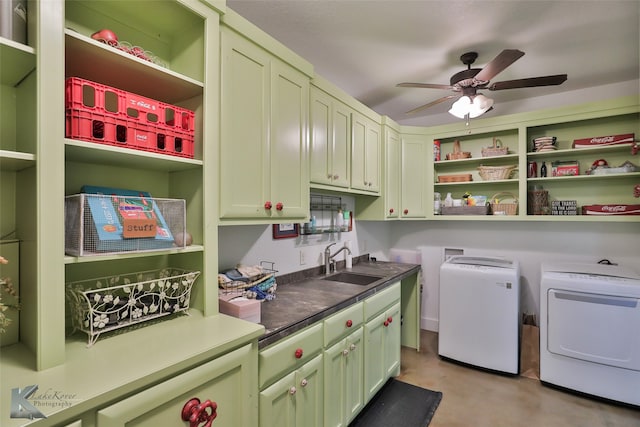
(392, 338)
(374, 369)
(309, 395)
(344, 384)
(392, 167)
(414, 203)
(296, 399)
(320, 170)
(289, 141)
(354, 375)
(365, 153)
(330, 140)
(230, 381)
(341, 147)
(244, 145)
(372, 155)
(277, 403)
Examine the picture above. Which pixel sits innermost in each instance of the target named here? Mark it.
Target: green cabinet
(381, 332)
(366, 146)
(330, 140)
(393, 173)
(413, 176)
(229, 381)
(263, 136)
(382, 335)
(344, 381)
(296, 399)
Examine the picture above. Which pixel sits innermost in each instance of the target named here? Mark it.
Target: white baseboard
(429, 324)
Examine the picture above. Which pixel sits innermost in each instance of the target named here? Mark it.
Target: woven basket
(500, 207)
(496, 150)
(493, 173)
(457, 153)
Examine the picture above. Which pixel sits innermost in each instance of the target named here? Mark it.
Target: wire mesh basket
(97, 224)
(105, 304)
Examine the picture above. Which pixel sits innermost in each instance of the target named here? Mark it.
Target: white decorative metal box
(108, 303)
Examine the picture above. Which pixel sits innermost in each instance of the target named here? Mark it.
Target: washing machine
(589, 326)
(479, 312)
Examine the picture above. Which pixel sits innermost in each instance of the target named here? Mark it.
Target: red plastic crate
(106, 115)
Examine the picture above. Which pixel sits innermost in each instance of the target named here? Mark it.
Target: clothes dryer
(589, 323)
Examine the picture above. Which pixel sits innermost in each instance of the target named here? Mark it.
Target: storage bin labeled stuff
(106, 115)
(98, 224)
(104, 304)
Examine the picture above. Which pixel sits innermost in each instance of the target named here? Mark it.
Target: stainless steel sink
(353, 278)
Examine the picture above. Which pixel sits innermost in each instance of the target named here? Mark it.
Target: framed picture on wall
(285, 231)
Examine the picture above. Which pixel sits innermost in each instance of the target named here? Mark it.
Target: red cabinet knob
(389, 319)
(298, 353)
(197, 413)
(386, 323)
(391, 210)
(267, 205)
(279, 206)
(349, 323)
(406, 211)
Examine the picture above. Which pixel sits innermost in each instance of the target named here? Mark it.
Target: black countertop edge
(272, 337)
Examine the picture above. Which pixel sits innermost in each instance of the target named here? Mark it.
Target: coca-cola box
(611, 210)
(625, 138)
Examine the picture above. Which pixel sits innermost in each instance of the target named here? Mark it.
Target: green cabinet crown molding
(242, 26)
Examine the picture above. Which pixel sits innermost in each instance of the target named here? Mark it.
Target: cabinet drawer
(380, 301)
(282, 357)
(342, 323)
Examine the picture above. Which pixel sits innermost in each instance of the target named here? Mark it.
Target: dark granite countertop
(304, 298)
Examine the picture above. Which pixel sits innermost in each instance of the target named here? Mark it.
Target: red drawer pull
(267, 205)
(279, 206)
(197, 413)
(349, 323)
(298, 353)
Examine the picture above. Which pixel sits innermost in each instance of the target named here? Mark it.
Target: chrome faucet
(328, 258)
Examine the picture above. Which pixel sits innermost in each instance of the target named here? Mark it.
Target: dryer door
(593, 327)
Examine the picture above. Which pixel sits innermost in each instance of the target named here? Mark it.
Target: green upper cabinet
(413, 169)
(264, 131)
(392, 173)
(330, 141)
(366, 144)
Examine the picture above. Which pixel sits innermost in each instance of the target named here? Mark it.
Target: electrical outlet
(303, 258)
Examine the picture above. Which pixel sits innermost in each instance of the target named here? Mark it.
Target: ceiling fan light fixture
(461, 107)
(474, 107)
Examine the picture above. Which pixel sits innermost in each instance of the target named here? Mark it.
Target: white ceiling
(366, 47)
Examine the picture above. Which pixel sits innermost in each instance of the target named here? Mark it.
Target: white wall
(529, 242)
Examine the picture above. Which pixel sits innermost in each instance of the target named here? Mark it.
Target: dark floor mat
(399, 404)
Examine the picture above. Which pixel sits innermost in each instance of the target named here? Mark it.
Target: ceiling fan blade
(424, 85)
(530, 82)
(498, 64)
(431, 104)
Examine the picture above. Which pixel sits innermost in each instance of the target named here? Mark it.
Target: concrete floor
(472, 397)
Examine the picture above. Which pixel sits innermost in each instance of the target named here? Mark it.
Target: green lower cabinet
(296, 399)
(230, 381)
(381, 332)
(343, 380)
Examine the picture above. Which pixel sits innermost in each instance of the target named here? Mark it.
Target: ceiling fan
(469, 81)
